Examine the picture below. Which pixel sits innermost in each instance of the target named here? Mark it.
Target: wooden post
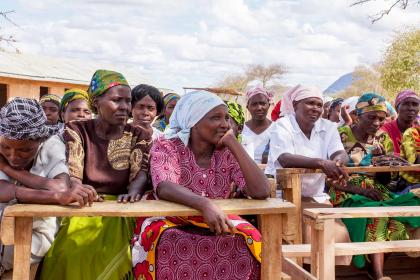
(314, 250)
(271, 259)
(22, 251)
(326, 243)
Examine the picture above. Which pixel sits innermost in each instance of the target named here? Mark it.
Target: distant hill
(340, 84)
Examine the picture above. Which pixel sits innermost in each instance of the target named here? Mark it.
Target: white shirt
(287, 137)
(255, 144)
(49, 162)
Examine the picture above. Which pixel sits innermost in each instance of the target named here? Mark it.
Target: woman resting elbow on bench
(301, 139)
(33, 170)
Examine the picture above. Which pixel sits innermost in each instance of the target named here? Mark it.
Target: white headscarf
(351, 102)
(297, 93)
(189, 110)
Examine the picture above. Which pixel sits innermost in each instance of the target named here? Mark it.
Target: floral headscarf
(71, 95)
(236, 112)
(103, 80)
(369, 102)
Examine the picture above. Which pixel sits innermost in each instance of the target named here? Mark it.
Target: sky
(181, 43)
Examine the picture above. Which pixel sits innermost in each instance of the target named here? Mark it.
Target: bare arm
(59, 183)
(256, 182)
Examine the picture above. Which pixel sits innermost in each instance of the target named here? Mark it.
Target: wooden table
(289, 180)
(324, 249)
(270, 211)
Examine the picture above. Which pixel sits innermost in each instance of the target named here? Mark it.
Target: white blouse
(287, 137)
(255, 144)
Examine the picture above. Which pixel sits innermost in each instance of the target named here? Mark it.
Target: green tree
(400, 68)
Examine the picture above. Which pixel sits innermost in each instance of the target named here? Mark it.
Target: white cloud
(195, 43)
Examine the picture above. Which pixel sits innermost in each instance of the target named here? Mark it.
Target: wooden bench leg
(22, 251)
(314, 251)
(271, 259)
(326, 243)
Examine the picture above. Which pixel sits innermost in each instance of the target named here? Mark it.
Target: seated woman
(51, 105)
(147, 103)
(410, 150)
(407, 105)
(363, 141)
(303, 139)
(256, 132)
(197, 160)
(236, 118)
(112, 157)
(169, 101)
(33, 169)
(75, 106)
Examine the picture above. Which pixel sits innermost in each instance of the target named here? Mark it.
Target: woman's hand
(217, 221)
(334, 171)
(373, 194)
(227, 139)
(131, 197)
(82, 194)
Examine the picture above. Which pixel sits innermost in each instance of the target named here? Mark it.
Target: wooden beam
(271, 246)
(7, 230)
(22, 250)
(150, 208)
(295, 271)
(361, 212)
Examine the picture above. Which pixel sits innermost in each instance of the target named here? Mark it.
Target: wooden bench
(289, 181)
(17, 224)
(323, 249)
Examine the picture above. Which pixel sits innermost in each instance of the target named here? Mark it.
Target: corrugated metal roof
(62, 70)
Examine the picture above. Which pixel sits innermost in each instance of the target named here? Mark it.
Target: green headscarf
(236, 112)
(370, 102)
(169, 97)
(71, 95)
(50, 98)
(103, 80)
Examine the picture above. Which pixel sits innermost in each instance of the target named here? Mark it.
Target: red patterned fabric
(192, 253)
(394, 132)
(171, 161)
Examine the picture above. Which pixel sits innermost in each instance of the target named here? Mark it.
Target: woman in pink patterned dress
(197, 160)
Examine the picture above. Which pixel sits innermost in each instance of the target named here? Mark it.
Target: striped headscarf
(370, 102)
(24, 119)
(169, 97)
(50, 98)
(71, 95)
(236, 112)
(101, 81)
(403, 95)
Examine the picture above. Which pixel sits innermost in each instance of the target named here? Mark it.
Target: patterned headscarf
(71, 95)
(403, 95)
(259, 90)
(297, 93)
(24, 119)
(189, 110)
(369, 102)
(50, 98)
(236, 112)
(103, 80)
(169, 97)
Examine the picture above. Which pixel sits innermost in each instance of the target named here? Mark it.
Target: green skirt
(91, 248)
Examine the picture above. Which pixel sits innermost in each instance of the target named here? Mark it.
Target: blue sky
(178, 43)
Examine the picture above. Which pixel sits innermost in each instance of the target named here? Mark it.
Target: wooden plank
(149, 208)
(314, 251)
(271, 246)
(361, 212)
(22, 249)
(273, 187)
(295, 271)
(355, 248)
(368, 169)
(292, 224)
(7, 230)
(326, 243)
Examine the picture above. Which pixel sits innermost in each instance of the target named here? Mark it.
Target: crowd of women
(126, 145)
